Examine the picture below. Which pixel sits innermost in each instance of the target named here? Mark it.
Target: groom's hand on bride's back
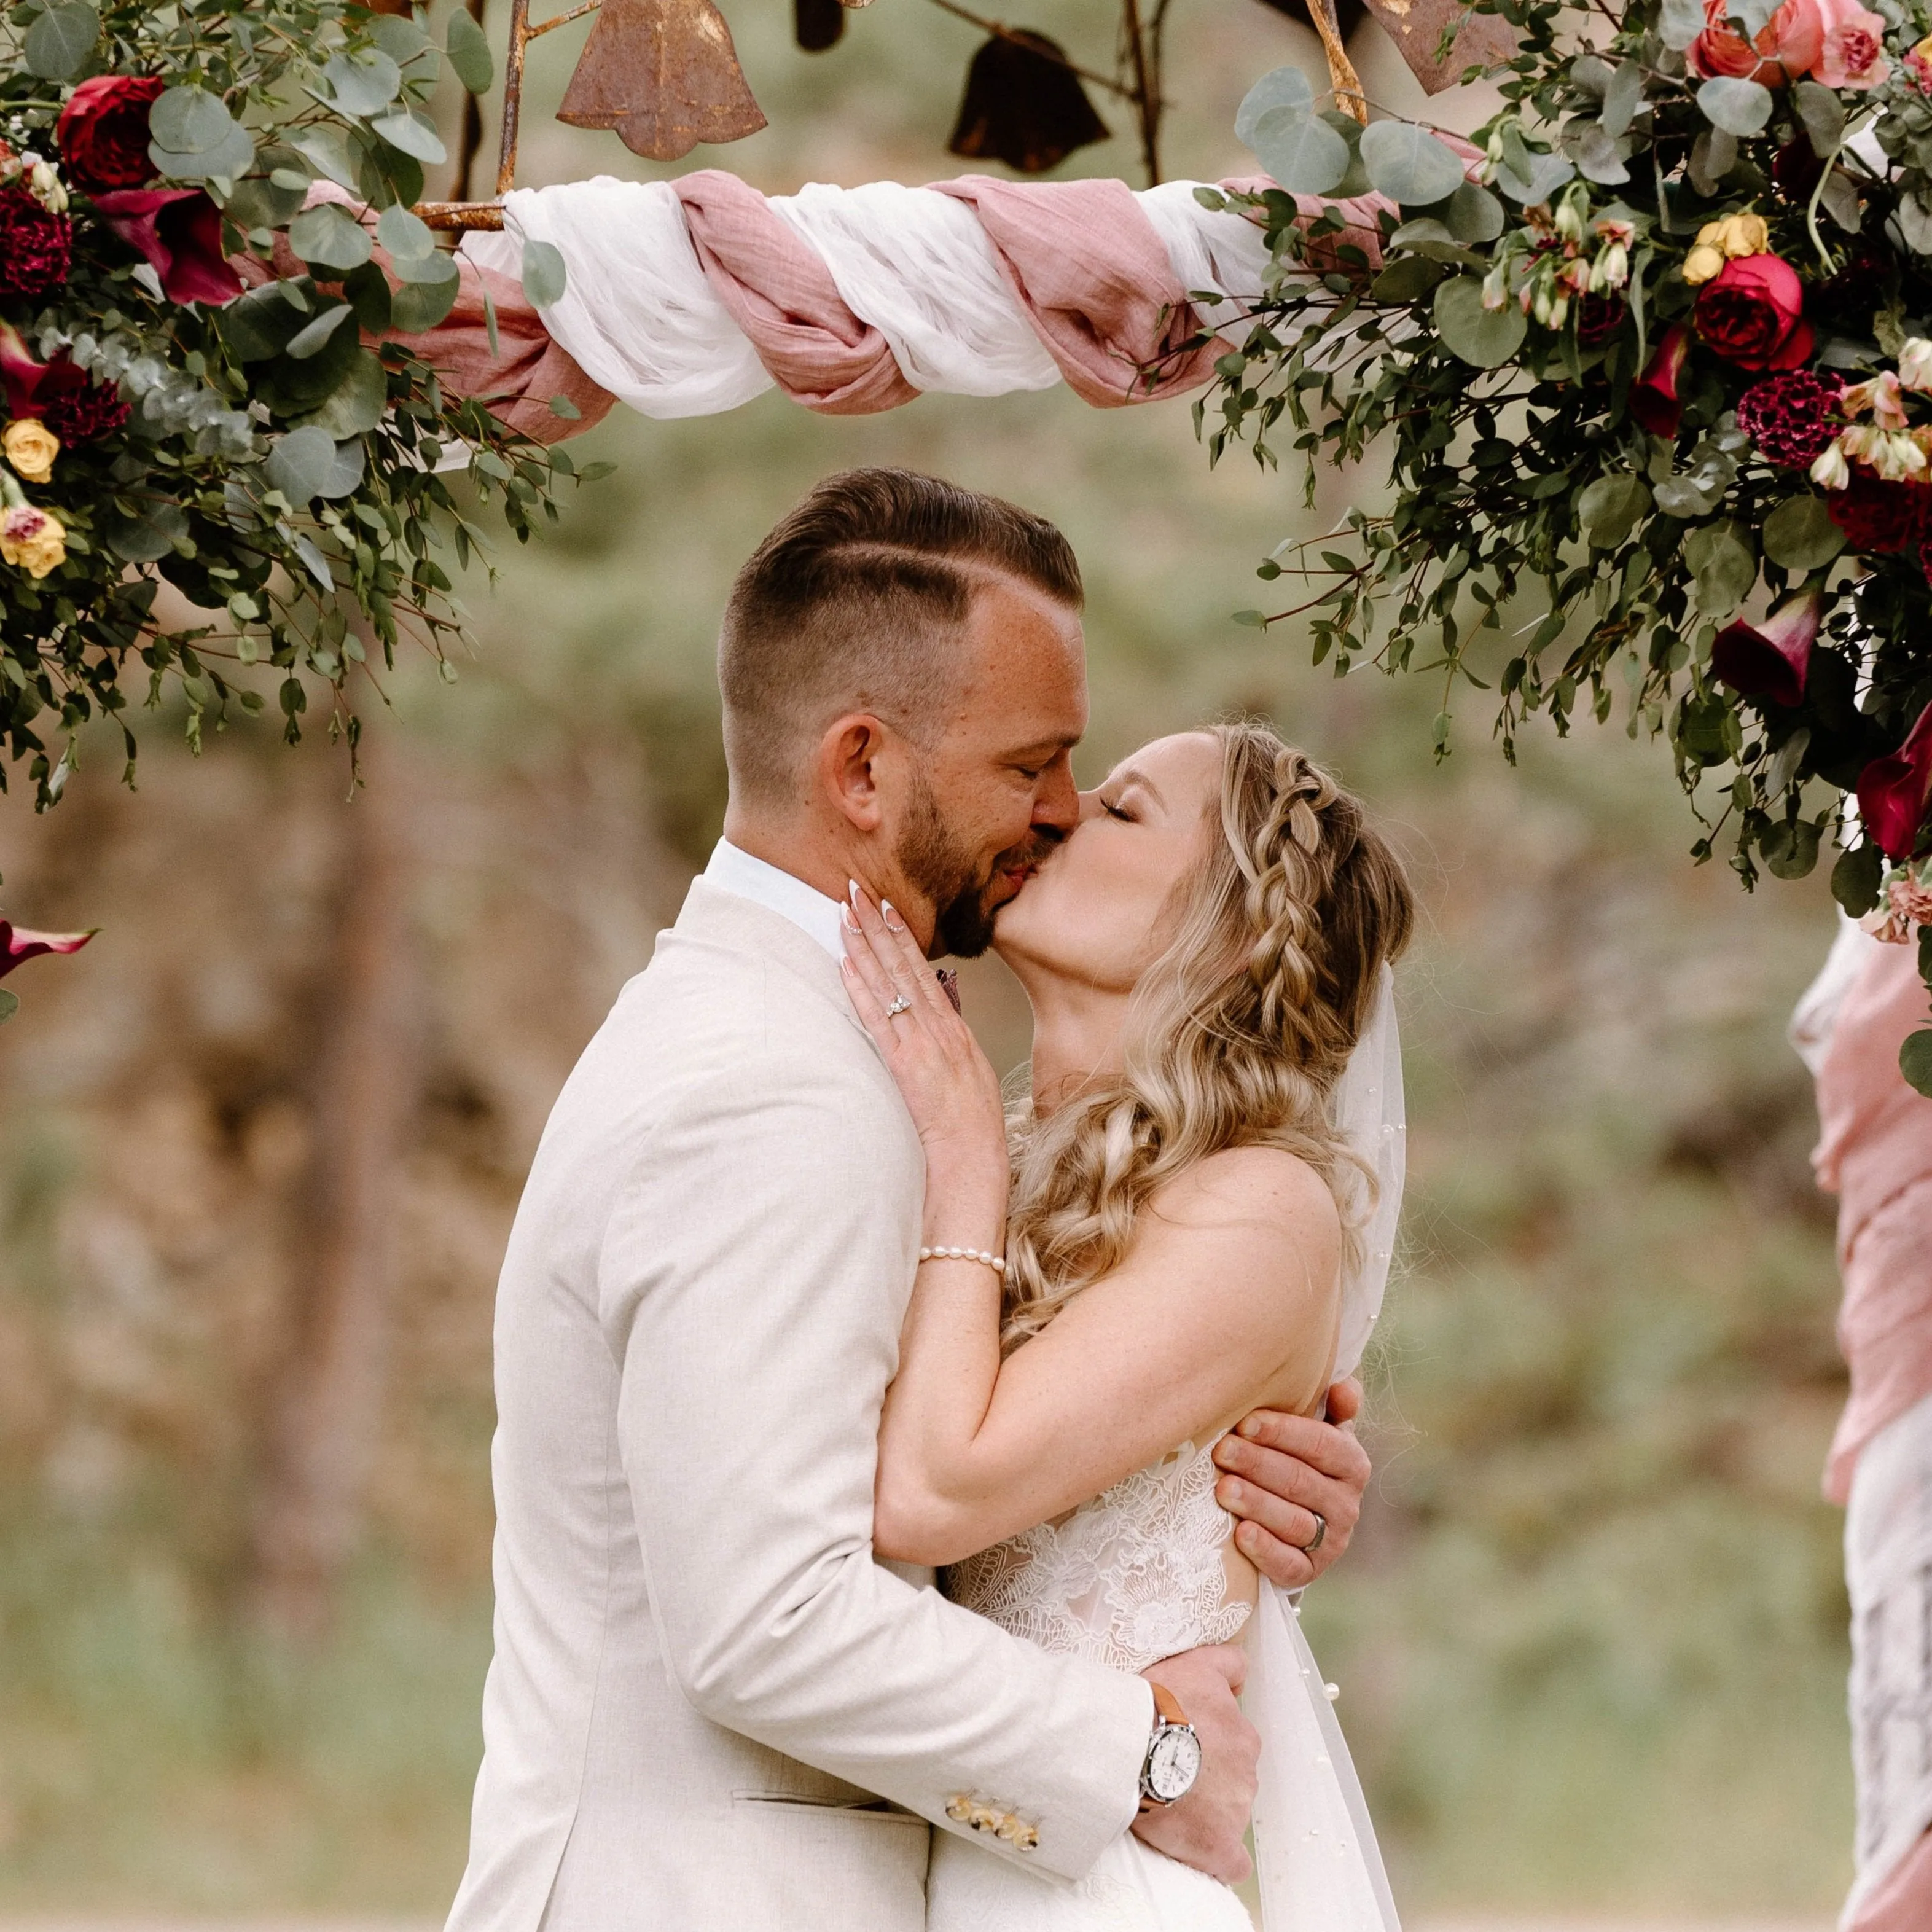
(1206, 1828)
(1280, 1472)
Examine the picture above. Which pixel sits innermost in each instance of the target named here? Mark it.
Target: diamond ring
(900, 1005)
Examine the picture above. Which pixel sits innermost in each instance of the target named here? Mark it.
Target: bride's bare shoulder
(1263, 1188)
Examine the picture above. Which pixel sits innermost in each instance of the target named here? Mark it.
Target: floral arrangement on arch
(1652, 355)
(203, 388)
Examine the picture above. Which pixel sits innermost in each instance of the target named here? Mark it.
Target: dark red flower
(1795, 168)
(1770, 659)
(1891, 791)
(1791, 417)
(1599, 317)
(1654, 399)
(1878, 517)
(20, 376)
(178, 230)
(36, 246)
(17, 945)
(1752, 312)
(1847, 301)
(103, 131)
(77, 409)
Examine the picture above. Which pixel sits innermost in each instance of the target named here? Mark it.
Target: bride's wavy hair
(1238, 1031)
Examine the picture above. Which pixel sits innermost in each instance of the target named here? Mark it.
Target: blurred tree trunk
(324, 1410)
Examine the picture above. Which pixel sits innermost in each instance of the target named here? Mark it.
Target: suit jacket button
(958, 1808)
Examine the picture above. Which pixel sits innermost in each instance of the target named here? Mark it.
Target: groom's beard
(932, 859)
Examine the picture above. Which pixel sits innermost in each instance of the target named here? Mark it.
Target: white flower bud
(1830, 471)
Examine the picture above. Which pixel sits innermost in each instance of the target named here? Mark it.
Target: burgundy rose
(1599, 317)
(17, 945)
(77, 409)
(1878, 517)
(103, 131)
(1752, 313)
(1891, 791)
(178, 230)
(1795, 168)
(36, 246)
(1771, 659)
(1654, 399)
(1791, 418)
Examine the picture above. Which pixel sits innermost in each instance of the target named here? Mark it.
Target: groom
(710, 1708)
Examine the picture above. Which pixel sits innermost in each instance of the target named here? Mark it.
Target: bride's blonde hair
(1238, 1033)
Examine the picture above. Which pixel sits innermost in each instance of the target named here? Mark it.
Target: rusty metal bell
(663, 73)
(817, 24)
(1023, 105)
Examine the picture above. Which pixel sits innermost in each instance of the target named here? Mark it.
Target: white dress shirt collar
(764, 884)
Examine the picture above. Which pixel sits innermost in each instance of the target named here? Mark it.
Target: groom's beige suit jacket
(710, 1708)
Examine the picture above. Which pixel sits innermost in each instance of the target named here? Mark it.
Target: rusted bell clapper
(816, 24)
(664, 74)
(1024, 106)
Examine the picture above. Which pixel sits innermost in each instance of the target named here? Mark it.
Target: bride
(1173, 1230)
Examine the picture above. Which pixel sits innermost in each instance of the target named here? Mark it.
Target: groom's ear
(848, 774)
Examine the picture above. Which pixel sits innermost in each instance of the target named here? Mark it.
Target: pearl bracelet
(992, 1262)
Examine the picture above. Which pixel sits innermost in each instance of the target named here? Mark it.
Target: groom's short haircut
(857, 601)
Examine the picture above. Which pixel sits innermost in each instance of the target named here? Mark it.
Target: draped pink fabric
(1903, 1902)
(780, 292)
(1096, 282)
(1875, 1154)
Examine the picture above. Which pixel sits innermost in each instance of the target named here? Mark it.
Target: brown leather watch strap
(1167, 1706)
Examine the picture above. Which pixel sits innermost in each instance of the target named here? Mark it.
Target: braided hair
(1239, 1030)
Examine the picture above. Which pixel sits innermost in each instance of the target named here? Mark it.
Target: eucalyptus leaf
(468, 47)
(311, 338)
(1608, 508)
(1741, 107)
(414, 133)
(329, 149)
(316, 564)
(189, 121)
(272, 196)
(357, 402)
(1823, 115)
(1485, 338)
(1622, 98)
(1679, 22)
(1790, 849)
(405, 43)
(544, 276)
(1722, 567)
(405, 235)
(10, 1005)
(363, 83)
(325, 234)
(1407, 279)
(229, 161)
(1800, 535)
(417, 306)
(1301, 151)
(1548, 172)
(1473, 214)
(59, 43)
(345, 472)
(1686, 497)
(1785, 762)
(1598, 158)
(1591, 74)
(1914, 1061)
(1426, 235)
(149, 537)
(432, 269)
(1286, 87)
(1913, 220)
(1839, 199)
(1713, 155)
(301, 464)
(1408, 164)
(259, 324)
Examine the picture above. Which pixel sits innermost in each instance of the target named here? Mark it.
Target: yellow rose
(31, 540)
(1705, 260)
(31, 448)
(1742, 235)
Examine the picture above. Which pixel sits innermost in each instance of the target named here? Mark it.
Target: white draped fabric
(639, 316)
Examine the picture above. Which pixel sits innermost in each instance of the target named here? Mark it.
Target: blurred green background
(1590, 1638)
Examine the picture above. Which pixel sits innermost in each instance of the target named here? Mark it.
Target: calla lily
(17, 945)
(178, 231)
(1770, 659)
(1653, 398)
(20, 375)
(1891, 791)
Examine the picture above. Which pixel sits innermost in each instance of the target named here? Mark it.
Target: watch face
(1174, 1764)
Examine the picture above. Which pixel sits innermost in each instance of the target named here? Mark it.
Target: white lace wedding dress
(1134, 1575)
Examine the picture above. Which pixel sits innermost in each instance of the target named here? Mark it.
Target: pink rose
(1786, 49)
(1753, 314)
(1853, 52)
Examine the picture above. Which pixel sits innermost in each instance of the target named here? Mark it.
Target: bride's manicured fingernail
(846, 919)
(893, 921)
(852, 890)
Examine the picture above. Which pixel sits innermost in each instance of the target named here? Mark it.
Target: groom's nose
(1056, 804)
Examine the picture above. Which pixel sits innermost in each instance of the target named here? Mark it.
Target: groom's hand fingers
(1277, 1472)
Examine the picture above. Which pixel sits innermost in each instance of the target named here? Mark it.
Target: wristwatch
(1173, 1760)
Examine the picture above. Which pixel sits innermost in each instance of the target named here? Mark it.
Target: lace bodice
(1134, 1575)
